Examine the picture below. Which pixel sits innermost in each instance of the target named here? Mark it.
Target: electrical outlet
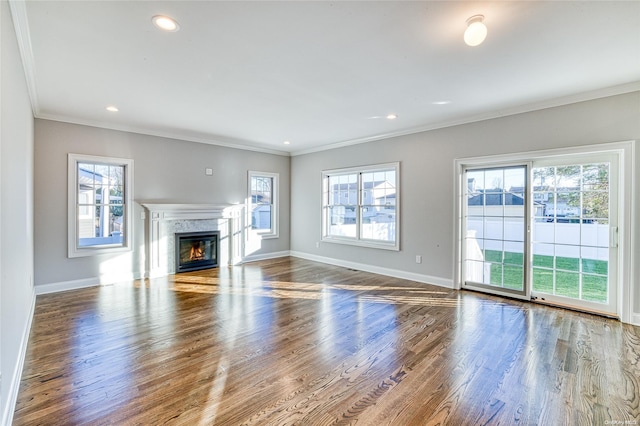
(317, 244)
(418, 259)
(208, 171)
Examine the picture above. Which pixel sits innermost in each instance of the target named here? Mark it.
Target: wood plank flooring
(289, 341)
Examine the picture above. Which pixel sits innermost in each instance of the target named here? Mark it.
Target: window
(99, 204)
(360, 206)
(263, 199)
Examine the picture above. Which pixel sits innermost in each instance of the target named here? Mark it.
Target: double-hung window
(263, 200)
(99, 204)
(360, 206)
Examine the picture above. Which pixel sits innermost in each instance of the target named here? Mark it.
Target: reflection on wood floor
(289, 341)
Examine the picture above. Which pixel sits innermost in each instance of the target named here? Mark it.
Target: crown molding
(21, 25)
(180, 136)
(535, 106)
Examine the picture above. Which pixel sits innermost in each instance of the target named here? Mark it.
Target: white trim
(72, 202)
(67, 285)
(14, 387)
(358, 240)
(229, 221)
(23, 35)
(274, 231)
(167, 134)
(395, 273)
(103, 280)
(265, 256)
(626, 212)
(635, 319)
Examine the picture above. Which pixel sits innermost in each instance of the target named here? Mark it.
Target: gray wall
(165, 171)
(427, 170)
(16, 214)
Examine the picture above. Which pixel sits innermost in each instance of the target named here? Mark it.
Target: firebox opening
(196, 250)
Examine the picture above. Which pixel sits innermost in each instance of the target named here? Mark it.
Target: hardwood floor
(289, 341)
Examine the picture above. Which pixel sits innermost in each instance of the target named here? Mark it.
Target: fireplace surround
(164, 220)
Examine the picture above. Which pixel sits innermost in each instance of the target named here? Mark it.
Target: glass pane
(567, 284)
(261, 216)
(475, 182)
(543, 280)
(513, 277)
(493, 274)
(514, 253)
(595, 204)
(594, 288)
(543, 178)
(568, 258)
(567, 178)
(493, 228)
(514, 179)
(342, 221)
(567, 233)
(595, 177)
(494, 180)
(594, 235)
(378, 223)
(514, 229)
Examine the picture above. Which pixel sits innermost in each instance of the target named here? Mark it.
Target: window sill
(362, 243)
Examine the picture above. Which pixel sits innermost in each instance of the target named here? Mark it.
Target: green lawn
(508, 273)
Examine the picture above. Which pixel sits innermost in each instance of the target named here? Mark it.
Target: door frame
(626, 243)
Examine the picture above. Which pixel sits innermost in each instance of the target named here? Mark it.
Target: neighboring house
(497, 203)
(96, 224)
(379, 199)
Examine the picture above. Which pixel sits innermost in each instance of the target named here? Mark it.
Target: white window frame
(358, 240)
(73, 248)
(272, 232)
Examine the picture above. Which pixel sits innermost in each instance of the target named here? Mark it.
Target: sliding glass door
(575, 233)
(495, 220)
(545, 229)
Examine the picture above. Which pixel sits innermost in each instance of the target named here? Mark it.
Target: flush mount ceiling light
(287, 142)
(476, 31)
(392, 117)
(165, 23)
(111, 108)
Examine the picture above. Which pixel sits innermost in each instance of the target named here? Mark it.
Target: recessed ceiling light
(441, 103)
(392, 117)
(165, 23)
(111, 108)
(287, 142)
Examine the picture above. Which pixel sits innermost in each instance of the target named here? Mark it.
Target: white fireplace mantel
(164, 219)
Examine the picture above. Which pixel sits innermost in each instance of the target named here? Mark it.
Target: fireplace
(196, 250)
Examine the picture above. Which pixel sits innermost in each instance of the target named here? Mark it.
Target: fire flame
(197, 252)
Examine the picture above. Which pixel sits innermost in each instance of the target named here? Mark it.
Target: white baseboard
(83, 283)
(67, 285)
(274, 255)
(14, 387)
(396, 273)
(635, 319)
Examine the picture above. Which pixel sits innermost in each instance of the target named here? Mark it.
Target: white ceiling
(319, 74)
